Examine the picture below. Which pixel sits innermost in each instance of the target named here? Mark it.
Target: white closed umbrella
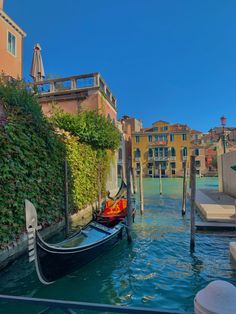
(37, 69)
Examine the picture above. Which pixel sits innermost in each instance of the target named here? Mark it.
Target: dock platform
(215, 226)
(215, 206)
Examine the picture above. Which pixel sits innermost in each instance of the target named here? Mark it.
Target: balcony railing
(137, 158)
(161, 158)
(172, 158)
(73, 83)
(184, 158)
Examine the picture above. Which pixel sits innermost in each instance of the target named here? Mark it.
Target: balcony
(68, 86)
(184, 158)
(161, 158)
(159, 143)
(172, 158)
(137, 159)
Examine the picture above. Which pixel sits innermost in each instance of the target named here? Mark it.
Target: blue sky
(173, 60)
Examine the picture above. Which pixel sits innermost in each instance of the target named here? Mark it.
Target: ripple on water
(156, 270)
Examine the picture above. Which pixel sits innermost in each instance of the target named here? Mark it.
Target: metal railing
(71, 306)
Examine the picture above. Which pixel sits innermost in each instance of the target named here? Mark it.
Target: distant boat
(54, 261)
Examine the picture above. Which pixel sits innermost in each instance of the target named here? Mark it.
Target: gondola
(114, 209)
(54, 261)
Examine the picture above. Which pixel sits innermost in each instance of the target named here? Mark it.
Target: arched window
(137, 153)
(185, 152)
(150, 152)
(172, 152)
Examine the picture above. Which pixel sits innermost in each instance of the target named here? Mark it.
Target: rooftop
(5, 17)
(72, 86)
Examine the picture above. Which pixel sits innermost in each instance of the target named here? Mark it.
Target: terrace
(72, 87)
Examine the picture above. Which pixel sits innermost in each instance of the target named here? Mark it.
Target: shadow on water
(156, 270)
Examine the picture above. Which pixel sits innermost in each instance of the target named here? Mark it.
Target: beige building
(11, 46)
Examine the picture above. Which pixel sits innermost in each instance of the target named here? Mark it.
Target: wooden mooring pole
(184, 188)
(160, 179)
(193, 196)
(134, 180)
(141, 188)
(129, 200)
(66, 198)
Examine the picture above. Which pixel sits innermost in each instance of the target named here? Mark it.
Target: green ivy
(91, 128)
(32, 160)
(31, 164)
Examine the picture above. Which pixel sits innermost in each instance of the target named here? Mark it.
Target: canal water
(156, 270)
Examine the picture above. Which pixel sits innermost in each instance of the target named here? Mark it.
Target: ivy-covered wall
(32, 158)
(31, 163)
(88, 169)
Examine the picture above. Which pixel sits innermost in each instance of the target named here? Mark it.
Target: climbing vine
(32, 158)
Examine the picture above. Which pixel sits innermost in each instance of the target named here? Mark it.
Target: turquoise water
(156, 270)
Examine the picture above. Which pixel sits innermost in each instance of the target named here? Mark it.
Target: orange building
(11, 45)
(77, 93)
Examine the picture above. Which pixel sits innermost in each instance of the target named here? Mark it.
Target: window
(185, 151)
(198, 163)
(137, 139)
(196, 152)
(166, 151)
(149, 138)
(155, 129)
(172, 137)
(165, 128)
(150, 152)
(156, 138)
(173, 165)
(184, 137)
(156, 152)
(173, 171)
(11, 46)
(172, 152)
(150, 165)
(150, 172)
(161, 151)
(137, 153)
(137, 165)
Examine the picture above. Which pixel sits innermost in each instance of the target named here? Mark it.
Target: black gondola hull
(53, 262)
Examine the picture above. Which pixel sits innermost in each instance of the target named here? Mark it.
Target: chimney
(1, 4)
